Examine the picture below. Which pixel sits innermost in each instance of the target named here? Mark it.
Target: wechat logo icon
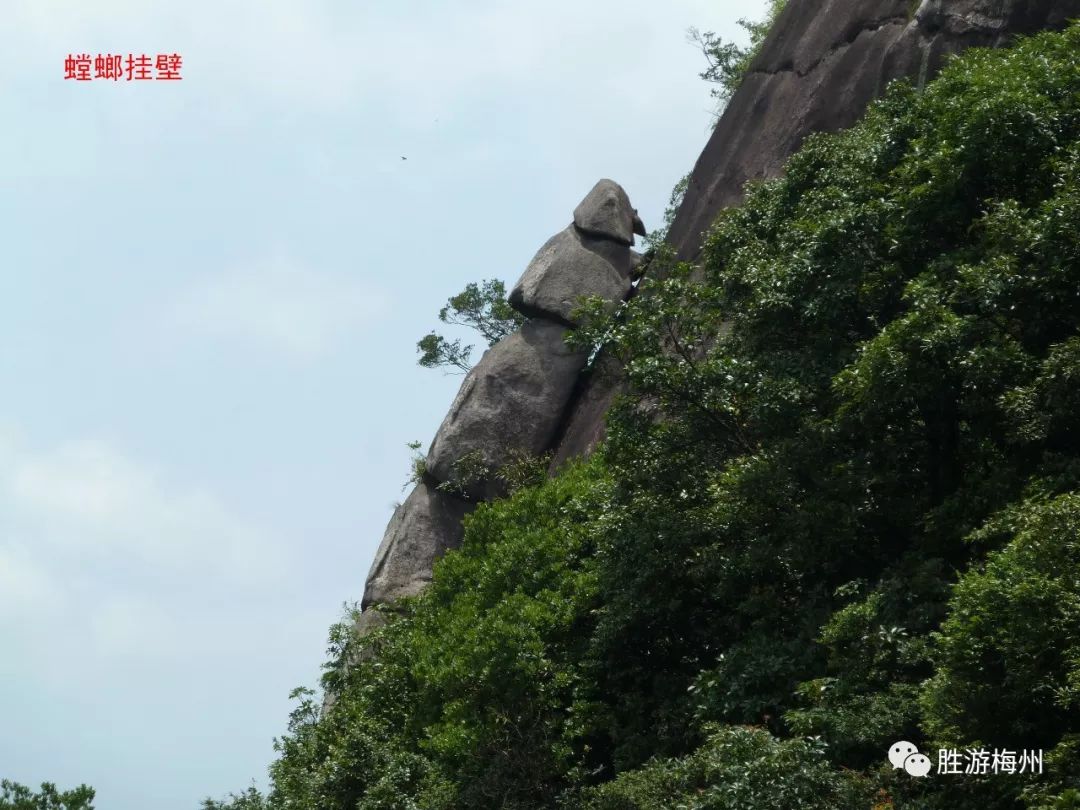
(905, 755)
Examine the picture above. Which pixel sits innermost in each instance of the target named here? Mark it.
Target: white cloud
(106, 561)
(278, 304)
(86, 481)
(26, 588)
(127, 624)
(84, 502)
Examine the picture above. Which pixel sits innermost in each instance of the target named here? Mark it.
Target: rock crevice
(802, 73)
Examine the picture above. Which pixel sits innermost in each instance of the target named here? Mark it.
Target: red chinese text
(117, 66)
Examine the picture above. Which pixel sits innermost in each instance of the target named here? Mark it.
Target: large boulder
(422, 529)
(606, 212)
(564, 271)
(511, 404)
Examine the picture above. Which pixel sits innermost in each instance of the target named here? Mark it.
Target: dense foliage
(14, 796)
(482, 307)
(840, 507)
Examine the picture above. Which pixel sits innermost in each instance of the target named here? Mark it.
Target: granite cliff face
(821, 65)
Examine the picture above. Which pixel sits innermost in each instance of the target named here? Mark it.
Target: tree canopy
(14, 796)
(482, 307)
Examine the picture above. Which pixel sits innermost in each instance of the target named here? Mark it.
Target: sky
(210, 296)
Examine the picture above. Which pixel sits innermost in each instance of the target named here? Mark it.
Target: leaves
(728, 63)
(14, 796)
(482, 307)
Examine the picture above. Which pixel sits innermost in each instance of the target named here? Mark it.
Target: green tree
(728, 63)
(737, 768)
(1004, 676)
(14, 796)
(482, 307)
(878, 354)
(251, 799)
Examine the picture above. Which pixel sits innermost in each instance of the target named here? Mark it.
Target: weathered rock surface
(563, 272)
(511, 403)
(819, 68)
(606, 212)
(421, 530)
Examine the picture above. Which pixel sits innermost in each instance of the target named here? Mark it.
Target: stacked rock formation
(514, 401)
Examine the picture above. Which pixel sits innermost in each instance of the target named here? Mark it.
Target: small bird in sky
(404, 158)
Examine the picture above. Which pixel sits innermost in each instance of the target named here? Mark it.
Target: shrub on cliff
(481, 307)
(474, 694)
(726, 64)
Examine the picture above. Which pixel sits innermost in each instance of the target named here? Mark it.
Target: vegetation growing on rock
(726, 64)
(482, 307)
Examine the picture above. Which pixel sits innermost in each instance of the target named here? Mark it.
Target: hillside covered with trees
(839, 508)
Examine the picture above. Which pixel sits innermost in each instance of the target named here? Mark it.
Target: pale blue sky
(209, 303)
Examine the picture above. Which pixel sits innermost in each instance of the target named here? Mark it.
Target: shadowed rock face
(369, 621)
(819, 68)
(511, 403)
(422, 529)
(618, 255)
